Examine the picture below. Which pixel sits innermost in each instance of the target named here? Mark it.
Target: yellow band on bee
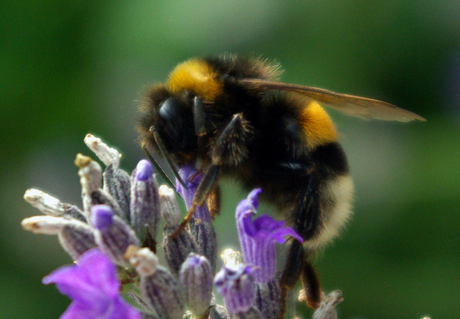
(197, 77)
(317, 125)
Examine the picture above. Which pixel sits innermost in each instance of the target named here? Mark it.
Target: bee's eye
(170, 112)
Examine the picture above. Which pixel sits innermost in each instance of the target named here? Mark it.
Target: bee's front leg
(229, 149)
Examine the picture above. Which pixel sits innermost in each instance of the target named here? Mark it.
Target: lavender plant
(113, 239)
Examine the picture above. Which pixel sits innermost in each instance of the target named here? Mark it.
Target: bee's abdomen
(335, 209)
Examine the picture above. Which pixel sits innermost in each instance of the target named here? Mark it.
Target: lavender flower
(113, 235)
(90, 179)
(176, 248)
(192, 178)
(196, 278)
(158, 286)
(123, 212)
(75, 237)
(235, 284)
(258, 237)
(93, 286)
(145, 202)
(118, 184)
(116, 180)
(201, 222)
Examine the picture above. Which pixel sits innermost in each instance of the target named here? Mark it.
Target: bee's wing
(349, 104)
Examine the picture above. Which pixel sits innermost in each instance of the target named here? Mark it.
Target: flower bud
(75, 237)
(145, 206)
(236, 286)
(46, 203)
(101, 197)
(90, 179)
(113, 235)
(108, 155)
(169, 208)
(73, 211)
(268, 298)
(162, 293)
(118, 184)
(218, 312)
(196, 278)
(52, 206)
(177, 248)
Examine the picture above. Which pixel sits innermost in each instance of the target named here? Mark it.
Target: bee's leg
(202, 192)
(306, 222)
(214, 200)
(200, 111)
(232, 146)
(229, 149)
(310, 283)
(298, 267)
(291, 272)
(199, 116)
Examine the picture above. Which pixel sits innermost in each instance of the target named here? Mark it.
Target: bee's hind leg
(306, 222)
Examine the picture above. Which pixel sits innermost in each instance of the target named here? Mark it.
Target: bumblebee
(232, 116)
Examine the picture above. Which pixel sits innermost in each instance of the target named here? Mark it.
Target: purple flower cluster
(113, 239)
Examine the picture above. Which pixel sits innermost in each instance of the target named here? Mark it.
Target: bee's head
(171, 116)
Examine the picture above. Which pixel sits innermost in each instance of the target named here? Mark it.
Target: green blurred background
(73, 67)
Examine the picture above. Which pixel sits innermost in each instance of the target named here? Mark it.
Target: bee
(231, 115)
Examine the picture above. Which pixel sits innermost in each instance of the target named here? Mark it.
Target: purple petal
(248, 225)
(101, 216)
(267, 223)
(274, 228)
(280, 235)
(93, 286)
(252, 197)
(93, 272)
(192, 178)
(258, 237)
(244, 224)
(70, 282)
(186, 172)
(119, 310)
(100, 271)
(144, 170)
(244, 208)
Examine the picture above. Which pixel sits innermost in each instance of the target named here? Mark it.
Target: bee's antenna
(158, 167)
(162, 148)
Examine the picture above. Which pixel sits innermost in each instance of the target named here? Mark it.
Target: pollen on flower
(82, 161)
(231, 257)
(144, 260)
